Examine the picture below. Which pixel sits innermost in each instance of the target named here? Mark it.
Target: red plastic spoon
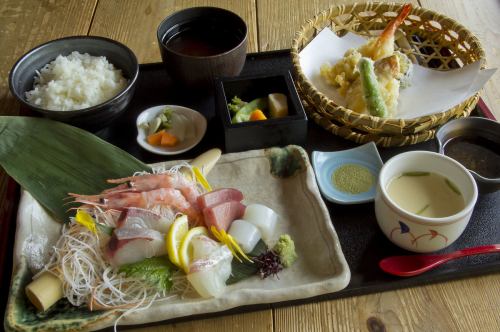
(408, 266)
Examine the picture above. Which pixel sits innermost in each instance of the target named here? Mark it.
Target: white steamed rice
(74, 82)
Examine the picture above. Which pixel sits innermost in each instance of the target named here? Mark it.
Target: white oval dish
(197, 119)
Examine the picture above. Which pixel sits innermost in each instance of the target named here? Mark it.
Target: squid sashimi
(131, 245)
(221, 215)
(264, 218)
(210, 267)
(142, 218)
(218, 196)
(245, 234)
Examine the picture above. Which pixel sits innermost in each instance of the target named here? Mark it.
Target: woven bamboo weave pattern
(428, 38)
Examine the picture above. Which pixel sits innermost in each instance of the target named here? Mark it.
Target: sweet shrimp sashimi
(146, 200)
(149, 182)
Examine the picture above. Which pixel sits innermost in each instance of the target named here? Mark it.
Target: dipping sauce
(201, 39)
(352, 179)
(478, 154)
(425, 193)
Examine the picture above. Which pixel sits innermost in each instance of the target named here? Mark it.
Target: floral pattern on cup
(405, 229)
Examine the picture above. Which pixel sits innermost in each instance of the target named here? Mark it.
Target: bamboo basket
(428, 38)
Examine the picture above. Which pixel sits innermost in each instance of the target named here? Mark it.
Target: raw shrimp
(383, 46)
(155, 181)
(145, 200)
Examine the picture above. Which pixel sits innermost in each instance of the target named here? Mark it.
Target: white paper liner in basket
(430, 91)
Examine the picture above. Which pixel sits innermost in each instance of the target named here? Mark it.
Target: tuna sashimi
(129, 245)
(142, 218)
(219, 196)
(221, 215)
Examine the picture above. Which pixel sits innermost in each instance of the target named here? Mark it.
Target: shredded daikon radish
(88, 278)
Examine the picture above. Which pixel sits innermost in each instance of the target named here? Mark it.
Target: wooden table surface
(463, 305)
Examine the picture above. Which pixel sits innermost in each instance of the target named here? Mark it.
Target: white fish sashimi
(245, 234)
(137, 217)
(131, 245)
(264, 218)
(210, 268)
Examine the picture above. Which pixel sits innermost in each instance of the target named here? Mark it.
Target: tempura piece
(383, 46)
(376, 90)
(345, 72)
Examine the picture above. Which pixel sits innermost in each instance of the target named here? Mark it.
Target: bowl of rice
(85, 81)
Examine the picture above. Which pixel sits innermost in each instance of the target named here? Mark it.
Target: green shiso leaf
(49, 159)
(157, 271)
(245, 269)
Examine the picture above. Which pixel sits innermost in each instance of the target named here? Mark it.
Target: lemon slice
(186, 250)
(175, 234)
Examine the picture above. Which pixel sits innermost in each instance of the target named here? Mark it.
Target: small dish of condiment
(475, 143)
(348, 176)
(170, 129)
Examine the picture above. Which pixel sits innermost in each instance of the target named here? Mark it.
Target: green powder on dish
(352, 179)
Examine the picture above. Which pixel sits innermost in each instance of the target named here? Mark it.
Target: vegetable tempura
(359, 81)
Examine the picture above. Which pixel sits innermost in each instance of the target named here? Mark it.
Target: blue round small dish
(325, 163)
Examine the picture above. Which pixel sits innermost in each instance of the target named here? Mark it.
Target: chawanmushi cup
(414, 232)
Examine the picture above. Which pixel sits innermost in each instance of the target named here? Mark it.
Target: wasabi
(285, 248)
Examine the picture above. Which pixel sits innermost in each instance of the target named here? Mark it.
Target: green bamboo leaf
(243, 270)
(49, 159)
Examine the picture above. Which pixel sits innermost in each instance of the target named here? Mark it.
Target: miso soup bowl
(199, 72)
(415, 232)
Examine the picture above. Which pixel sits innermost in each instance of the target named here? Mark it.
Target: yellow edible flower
(229, 241)
(86, 220)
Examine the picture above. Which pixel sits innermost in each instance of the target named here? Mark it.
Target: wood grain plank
(248, 322)
(462, 305)
(481, 18)
(25, 24)
(279, 20)
(134, 23)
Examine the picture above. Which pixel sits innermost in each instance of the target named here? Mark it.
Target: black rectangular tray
(363, 244)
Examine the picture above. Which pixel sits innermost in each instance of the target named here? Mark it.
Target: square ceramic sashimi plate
(281, 178)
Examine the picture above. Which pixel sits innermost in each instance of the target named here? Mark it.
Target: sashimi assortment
(163, 236)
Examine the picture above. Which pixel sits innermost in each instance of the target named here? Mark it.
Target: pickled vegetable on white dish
(210, 266)
(264, 218)
(245, 234)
